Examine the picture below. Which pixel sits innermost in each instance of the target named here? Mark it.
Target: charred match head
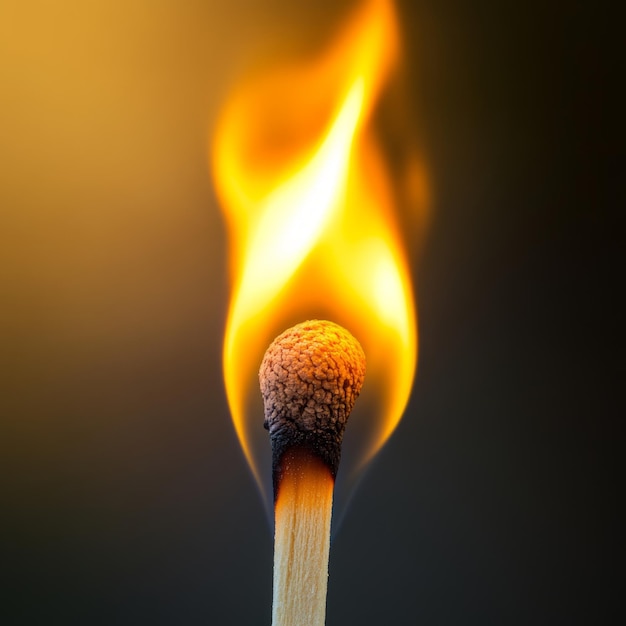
(310, 377)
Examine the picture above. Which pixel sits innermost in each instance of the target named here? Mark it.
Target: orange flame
(309, 207)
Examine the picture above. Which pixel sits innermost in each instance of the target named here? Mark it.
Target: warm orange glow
(310, 210)
(306, 482)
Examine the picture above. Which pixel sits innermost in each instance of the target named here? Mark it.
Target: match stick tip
(310, 378)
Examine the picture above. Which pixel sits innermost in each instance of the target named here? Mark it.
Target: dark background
(125, 498)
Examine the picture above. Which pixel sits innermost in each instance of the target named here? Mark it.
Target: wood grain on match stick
(310, 378)
(302, 541)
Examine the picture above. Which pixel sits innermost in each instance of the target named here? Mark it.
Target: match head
(310, 377)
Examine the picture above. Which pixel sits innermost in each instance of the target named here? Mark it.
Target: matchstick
(310, 378)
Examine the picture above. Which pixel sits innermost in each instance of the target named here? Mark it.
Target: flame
(310, 212)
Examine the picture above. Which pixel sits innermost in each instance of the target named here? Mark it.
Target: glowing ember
(310, 213)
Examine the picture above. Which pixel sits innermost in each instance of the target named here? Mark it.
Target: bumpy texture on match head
(310, 377)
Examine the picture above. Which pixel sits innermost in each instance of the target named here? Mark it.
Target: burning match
(310, 203)
(310, 377)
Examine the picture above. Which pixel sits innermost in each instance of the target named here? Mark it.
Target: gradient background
(125, 498)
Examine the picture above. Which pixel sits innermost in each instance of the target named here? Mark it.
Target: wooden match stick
(310, 378)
